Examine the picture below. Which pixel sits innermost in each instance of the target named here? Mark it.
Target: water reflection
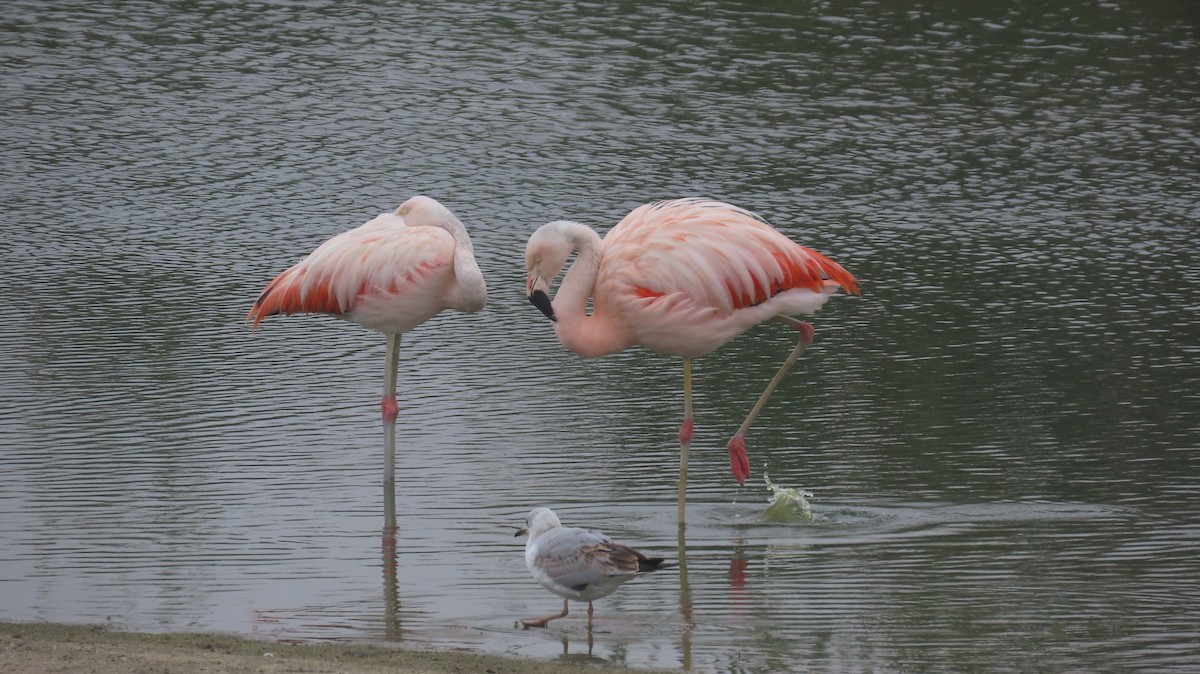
(391, 587)
(685, 599)
(591, 643)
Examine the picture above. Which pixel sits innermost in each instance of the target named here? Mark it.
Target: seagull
(578, 564)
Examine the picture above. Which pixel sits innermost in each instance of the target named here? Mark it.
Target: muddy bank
(40, 648)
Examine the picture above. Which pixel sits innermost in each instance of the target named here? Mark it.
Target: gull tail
(648, 564)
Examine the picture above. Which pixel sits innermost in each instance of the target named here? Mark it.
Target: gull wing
(578, 558)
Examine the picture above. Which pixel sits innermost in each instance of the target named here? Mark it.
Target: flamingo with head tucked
(390, 275)
(680, 277)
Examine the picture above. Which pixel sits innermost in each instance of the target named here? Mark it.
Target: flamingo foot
(390, 408)
(685, 432)
(738, 461)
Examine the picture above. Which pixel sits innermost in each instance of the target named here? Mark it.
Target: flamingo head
(422, 211)
(546, 254)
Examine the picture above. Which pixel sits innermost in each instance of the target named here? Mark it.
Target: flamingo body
(682, 278)
(390, 275)
(384, 275)
(687, 276)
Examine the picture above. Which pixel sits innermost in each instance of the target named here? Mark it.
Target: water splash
(787, 505)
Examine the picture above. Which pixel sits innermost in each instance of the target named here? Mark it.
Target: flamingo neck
(587, 335)
(470, 292)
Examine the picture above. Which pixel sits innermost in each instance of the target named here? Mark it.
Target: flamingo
(578, 564)
(680, 277)
(390, 275)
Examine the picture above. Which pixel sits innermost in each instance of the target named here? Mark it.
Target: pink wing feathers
(383, 258)
(720, 256)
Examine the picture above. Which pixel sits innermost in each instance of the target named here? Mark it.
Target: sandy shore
(38, 648)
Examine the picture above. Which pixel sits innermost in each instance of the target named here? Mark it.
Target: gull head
(539, 521)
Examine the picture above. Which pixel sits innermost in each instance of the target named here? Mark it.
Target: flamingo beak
(539, 296)
(521, 532)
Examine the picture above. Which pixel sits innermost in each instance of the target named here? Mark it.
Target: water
(1001, 436)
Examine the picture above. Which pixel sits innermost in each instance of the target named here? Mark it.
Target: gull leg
(737, 444)
(541, 622)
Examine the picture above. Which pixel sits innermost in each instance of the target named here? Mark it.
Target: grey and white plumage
(579, 564)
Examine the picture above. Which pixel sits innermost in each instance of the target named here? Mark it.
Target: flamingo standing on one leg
(679, 277)
(390, 275)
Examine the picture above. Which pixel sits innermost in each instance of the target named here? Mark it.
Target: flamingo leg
(391, 409)
(591, 609)
(389, 455)
(737, 444)
(685, 436)
(541, 622)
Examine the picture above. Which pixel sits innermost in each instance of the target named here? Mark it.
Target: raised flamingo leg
(685, 437)
(391, 409)
(541, 622)
(737, 444)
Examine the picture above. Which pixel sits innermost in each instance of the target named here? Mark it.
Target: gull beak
(539, 295)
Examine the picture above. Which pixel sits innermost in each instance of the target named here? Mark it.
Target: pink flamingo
(679, 277)
(390, 275)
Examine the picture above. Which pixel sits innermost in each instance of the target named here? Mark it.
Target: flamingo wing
(713, 255)
(383, 258)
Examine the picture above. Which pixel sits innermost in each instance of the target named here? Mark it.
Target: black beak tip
(542, 301)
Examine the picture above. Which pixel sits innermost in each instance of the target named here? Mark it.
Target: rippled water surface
(1001, 435)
